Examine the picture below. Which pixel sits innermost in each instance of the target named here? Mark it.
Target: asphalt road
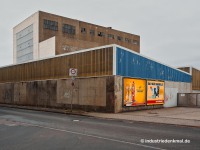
(36, 130)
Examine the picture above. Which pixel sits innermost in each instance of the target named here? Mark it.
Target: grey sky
(169, 29)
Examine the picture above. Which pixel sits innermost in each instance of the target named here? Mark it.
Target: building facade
(110, 78)
(43, 35)
(195, 73)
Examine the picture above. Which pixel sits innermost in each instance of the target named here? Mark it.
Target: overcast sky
(169, 29)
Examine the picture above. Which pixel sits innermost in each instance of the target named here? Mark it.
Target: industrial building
(43, 35)
(112, 75)
(110, 78)
(195, 73)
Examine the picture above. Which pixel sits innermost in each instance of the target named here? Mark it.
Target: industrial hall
(59, 62)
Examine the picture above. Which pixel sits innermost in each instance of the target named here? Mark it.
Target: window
(92, 32)
(51, 25)
(127, 40)
(101, 34)
(111, 36)
(69, 29)
(119, 38)
(135, 42)
(83, 30)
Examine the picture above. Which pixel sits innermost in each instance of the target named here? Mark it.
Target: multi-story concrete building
(43, 35)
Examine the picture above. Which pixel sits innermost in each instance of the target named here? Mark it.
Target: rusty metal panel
(91, 63)
(195, 79)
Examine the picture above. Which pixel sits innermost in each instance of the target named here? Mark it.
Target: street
(26, 129)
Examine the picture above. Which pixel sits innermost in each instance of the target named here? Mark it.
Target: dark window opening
(119, 38)
(101, 34)
(111, 36)
(69, 29)
(83, 30)
(135, 42)
(51, 25)
(127, 40)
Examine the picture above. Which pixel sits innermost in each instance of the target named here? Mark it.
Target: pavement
(183, 116)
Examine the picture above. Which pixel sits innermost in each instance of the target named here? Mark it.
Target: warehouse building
(110, 78)
(195, 73)
(43, 35)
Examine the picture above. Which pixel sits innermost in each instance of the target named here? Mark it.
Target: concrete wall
(7, 93)
(89, 94)
(189, 99)
(171, 90)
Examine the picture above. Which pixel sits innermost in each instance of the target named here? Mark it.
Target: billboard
(155, 92)
(134, 92)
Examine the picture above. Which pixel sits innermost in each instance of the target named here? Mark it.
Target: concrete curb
(53, 110)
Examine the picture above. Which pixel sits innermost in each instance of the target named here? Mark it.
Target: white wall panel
(47, 48)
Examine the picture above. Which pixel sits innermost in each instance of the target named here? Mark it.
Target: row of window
(69, 29)
(111, 36)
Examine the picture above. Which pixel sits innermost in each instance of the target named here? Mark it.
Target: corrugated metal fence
(188, 99)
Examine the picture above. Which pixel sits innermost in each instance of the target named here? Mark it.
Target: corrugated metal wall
(92, 63)
(133, 65)
(195, 79)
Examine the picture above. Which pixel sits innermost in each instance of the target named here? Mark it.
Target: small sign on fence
(73, 72)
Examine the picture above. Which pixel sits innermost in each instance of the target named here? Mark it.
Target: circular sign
(73, 71)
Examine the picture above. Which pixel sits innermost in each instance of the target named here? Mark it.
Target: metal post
(72, 99)
(72, 73)
(73, 79)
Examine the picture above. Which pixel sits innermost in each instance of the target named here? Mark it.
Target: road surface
(25, 129)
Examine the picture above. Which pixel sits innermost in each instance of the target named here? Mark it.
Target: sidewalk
(176, 116)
